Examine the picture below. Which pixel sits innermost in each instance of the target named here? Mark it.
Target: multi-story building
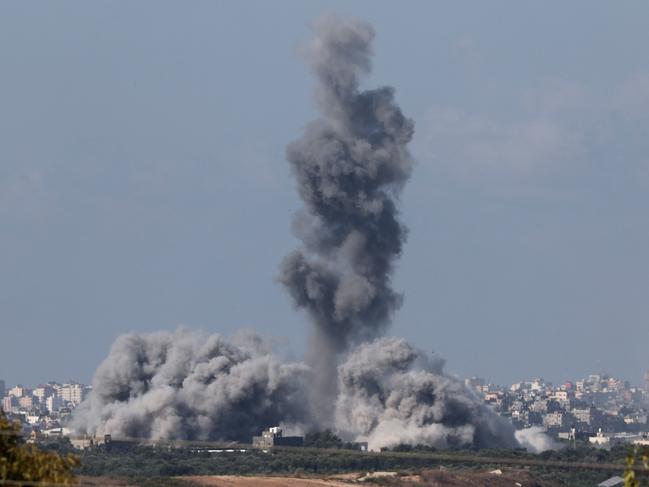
(274, 437)
(554, 420)
(53, 403)
(587, 416)
(42, 392)
(73, 393)
(539, 406)
(17, 391)
(600, 401)
(26, 402)
(2, 388)
(9, 403)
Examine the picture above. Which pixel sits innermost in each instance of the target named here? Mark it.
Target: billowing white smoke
(391, 393)
(535, 440)
(188, 385)
(350, 165)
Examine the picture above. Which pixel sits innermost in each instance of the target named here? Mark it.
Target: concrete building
(72, 393)
(2, 388)
(587, 416)
(273, 437)
(26, 402)
(9, 403)
(17, 391)
(555, 420)
(43, 392)
(53, 403)
(539, 406)
(90, 441)
(561, 396)
(600, 439)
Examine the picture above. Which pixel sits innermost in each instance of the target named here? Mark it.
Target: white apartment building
(72, 393)
(43, 392)
(53, 403)
(9, 403)
(17, 391)
(26, 402)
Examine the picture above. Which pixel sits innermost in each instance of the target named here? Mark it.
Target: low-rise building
(274, 437)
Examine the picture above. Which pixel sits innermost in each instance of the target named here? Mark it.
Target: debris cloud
(190, 385)
(391, 393)
(350, 166)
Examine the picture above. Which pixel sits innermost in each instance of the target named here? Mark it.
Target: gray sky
(143, 182)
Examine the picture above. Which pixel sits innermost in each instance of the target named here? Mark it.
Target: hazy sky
(143, 183)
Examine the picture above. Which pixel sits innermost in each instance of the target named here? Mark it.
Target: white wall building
(72, 393)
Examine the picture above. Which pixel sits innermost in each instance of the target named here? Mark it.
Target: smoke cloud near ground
(535, 440)
(350, 166)
(189, 385)
(392, 393)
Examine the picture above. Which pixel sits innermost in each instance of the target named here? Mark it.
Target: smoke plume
(535, 440)
(391, 393)
(188, 385)
(349, 165)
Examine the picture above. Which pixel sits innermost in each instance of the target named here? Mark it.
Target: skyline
(142, 173)
(571, 380)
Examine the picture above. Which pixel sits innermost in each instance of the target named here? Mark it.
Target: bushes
(19, 461)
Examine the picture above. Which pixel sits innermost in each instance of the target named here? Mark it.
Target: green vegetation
(638, 458)
(327, 439)
(22, 462)
(156, 462)
(326, 454)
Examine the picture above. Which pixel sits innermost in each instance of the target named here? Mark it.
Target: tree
(635, 460)
(322, 439)
(22, 462)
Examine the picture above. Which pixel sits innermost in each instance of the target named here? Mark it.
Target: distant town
(599, 410)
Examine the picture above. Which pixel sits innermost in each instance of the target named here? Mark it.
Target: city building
(274, 437)
(53, 403)
(556, 420)
(9, 403)
(26, 402)
(72, 393)
(17, 391)
(588, 416)
(43, 392)
(85, 442)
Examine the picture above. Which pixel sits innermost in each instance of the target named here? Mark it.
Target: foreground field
(165, 466)
(237, 481)
(432, 478)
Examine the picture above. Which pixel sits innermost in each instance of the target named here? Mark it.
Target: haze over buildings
(597, 410)
(123, 152)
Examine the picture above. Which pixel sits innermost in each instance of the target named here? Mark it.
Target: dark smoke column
(350, 165)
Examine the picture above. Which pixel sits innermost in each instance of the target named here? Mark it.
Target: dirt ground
(509, 477)
(87, 481)
(235, 481)
(432, 478)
